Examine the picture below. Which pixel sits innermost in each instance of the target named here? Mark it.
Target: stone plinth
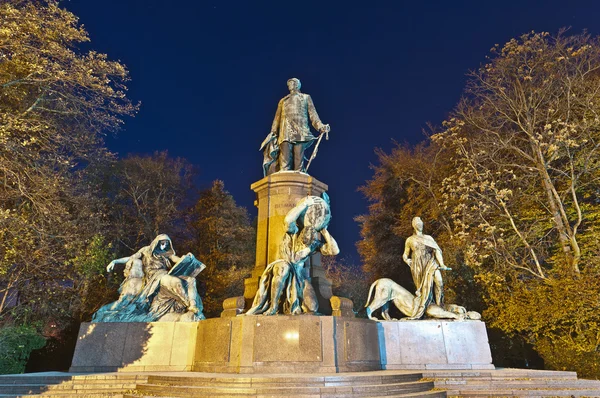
(280, 344)
(245, 344)
(135, 347)
(276, 195)
(434, 344)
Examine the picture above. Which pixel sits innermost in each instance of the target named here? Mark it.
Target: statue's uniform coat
(292, 116)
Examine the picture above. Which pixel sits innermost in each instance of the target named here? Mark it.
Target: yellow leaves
(581, 50)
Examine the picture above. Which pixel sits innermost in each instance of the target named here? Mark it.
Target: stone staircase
(59, 384)
(363, 384)
(188, 384)
(386, 383)
(512, 383)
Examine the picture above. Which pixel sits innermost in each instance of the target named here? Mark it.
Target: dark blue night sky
(209, 75)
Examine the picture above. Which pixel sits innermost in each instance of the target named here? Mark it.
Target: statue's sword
(314, 152)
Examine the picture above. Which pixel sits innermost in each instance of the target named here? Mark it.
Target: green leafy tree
(16, 343)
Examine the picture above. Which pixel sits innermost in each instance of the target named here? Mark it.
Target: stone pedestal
(434, 344)
(276, 195)
(281, 344)
(245, 344)
(287, 344)
(135, 347)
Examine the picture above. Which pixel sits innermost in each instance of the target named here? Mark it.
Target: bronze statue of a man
(290, 133)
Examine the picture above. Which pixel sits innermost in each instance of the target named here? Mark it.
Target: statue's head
(164, 245)
(294, 84)
(161, 245)
(417, 224)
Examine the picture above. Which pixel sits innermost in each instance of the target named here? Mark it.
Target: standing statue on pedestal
(290, 134)
(152, 289)
(425, 264)
(312, 214)
(424, 257)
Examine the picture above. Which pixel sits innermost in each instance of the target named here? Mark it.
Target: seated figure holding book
(152, 289)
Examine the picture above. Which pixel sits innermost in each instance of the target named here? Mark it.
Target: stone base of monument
(135, 347)
(434, 344)
(281, 344)
(252, 344)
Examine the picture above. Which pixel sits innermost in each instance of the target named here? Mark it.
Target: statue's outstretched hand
(110, 266)
(325, 129)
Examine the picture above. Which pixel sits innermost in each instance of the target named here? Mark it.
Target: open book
(188, 265)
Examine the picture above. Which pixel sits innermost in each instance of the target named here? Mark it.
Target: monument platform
(276, 344)
(247, 344)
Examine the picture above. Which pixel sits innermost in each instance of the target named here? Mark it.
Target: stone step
(477, 384)
(63, 388)
(117, 394)
(290, 381)
(24, 379)
(524, 393)
(513, 383)
(287, 391)
(501, 374)
(426, 394)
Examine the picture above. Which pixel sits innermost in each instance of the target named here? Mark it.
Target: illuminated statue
(287, 273)
(425, 263)
(290, 135)
(152, 289)
(424, 257)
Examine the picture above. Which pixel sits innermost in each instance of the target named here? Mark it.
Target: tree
(56, 105)
(524, 142)
(148, 195)
(224, 240)
(510, 184)
(528, 130)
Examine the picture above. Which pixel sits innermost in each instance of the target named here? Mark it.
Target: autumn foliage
(509, 187)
